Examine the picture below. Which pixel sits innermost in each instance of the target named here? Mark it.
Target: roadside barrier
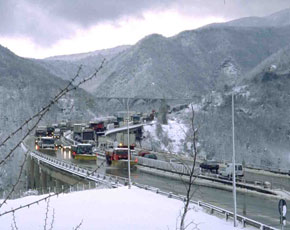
(115, 181)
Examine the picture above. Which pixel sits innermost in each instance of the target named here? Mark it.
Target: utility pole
(234, 162)
(129, 157)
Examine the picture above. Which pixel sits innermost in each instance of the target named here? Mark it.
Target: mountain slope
(25, 87)
(190, 63)
(65, 66)
(262, 107)
(106, 53)
(278, 19)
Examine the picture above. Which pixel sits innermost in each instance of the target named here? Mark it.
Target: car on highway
(176, 161)
(142, 153)
(151, 156)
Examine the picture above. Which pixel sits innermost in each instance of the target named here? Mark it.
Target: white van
(227, 171)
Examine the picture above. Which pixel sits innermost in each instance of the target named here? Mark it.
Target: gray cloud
(232, 9)
(46, 21)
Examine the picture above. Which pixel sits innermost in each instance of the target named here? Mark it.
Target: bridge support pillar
(36, 176)
(44, 180)
(30, 170)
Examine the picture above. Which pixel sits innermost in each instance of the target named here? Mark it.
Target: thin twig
(50, 195)
(14, 221)
(41, 114)
(191, 175)
(78, 226)
(17, 181)
(52, 221)
(46, 214)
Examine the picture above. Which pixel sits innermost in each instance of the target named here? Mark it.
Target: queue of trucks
(87, 136)
(91, 135)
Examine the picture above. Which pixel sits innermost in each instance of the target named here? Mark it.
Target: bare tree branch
(52, 221)
(46, 214)
(39, 112)
(50, 195)
(78, 226)
(17, 181)
(40, 115)
(14, 221)
(191, 175)
(43, 111)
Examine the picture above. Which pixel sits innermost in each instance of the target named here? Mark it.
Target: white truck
(123, 139)
(57, 133)
(47, 143)
(227, 170)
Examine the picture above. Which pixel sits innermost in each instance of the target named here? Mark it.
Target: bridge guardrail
(66, 136)
(163, 165)
(212, 208)
(114, 181)
(184, 169)
(270, 169)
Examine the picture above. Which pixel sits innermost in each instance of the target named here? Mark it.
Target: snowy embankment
(165, 138)
(118, 208)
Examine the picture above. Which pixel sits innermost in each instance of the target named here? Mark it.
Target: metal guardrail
(116, 130)
(211, 208)
(178, 167)
(184, 169)
(164, 165)
(47, 190)
(111, 181)
(114, 181)
(285, 171)
(181, 169)
(67, 135)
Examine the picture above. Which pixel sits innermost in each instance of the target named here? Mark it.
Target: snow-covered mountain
(65, 66)
(262, 107)
(279, 19)
(25, 87)
(191, 63)
(106, 53)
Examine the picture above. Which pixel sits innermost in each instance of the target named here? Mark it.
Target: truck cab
(119, 154)
(39, 132)
(88, 136)
(49, 131)
(227, 171)
(47, 143)
(83, 152)
(57, 133)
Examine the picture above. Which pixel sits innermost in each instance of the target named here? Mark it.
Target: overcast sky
(41, 28)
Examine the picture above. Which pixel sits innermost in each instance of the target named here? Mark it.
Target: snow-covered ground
(171, 137)
(119, 208)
